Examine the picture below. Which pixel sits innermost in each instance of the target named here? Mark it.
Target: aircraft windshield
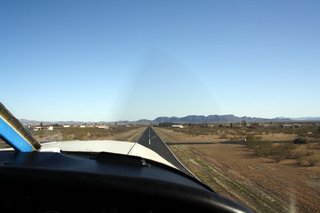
(226, 91)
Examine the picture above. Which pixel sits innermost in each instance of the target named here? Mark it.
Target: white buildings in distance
(52, 127)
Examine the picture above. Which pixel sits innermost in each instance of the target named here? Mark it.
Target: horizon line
(125, 120)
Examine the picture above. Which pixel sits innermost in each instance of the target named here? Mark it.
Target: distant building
(103, 127)
(286, 126)
(66, 126)
(177, 126)
(37, 128)
(82, 126)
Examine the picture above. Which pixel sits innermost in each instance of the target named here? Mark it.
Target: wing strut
(15, 134)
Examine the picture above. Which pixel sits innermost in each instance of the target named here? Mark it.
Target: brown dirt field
(233, 171)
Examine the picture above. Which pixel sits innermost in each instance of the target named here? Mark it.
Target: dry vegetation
(121, 133)
(303, 154)
(273, 132)
(271, 141)
(263, 175)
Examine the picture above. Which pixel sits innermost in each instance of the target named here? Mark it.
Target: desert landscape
(267, 167)
(120, 133)
(229, 165)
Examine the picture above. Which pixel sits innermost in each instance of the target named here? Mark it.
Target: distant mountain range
(307, 119)
(212, 119)
(187, 119)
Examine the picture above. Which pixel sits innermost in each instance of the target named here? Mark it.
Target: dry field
(178, 135)
(272, 133)
(120, 133)
(235, 171)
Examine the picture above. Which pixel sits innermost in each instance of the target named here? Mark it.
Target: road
(151, 140)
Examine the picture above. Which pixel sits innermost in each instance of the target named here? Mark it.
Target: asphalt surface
(151, 140)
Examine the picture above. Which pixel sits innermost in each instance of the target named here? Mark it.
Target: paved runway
(151, 140)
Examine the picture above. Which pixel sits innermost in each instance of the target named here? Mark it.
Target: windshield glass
(226, 91)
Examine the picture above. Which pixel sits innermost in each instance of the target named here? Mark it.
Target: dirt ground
(261, 184)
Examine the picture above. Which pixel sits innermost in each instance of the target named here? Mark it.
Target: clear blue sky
(114, 60)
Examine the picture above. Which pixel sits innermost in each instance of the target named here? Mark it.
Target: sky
(129, 60)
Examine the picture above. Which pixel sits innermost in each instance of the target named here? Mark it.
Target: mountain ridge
(227, 118)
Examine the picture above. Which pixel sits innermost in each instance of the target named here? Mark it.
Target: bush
(262, 149)
(300, 151)
(311, 160)
(300, 140)
(250, 137)
(265, 149)
(282, 151)
(252, 144)
(302, 161)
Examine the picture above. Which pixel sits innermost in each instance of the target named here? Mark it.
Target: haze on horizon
(131, 60)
